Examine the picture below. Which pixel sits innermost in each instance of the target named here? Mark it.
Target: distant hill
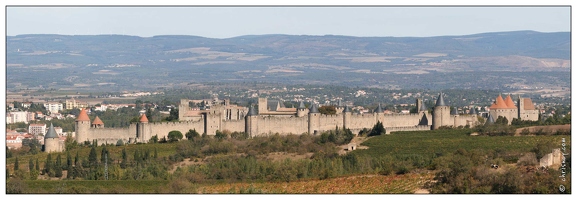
(118, 62)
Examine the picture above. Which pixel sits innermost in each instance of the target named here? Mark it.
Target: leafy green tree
(48, 166)
(16, 164)
(174, 136)
(124, 161)
(68, 161)
(378, 129)
(70, 143)
(220, 135)
(502, 120)
(92, 159)
(76, 159)
(8, 153)
(58, 167)
(30, 164)
(191, 134)
(37, 165)
(103, 154)
(328, 110)
(153, 139)
(173, 115)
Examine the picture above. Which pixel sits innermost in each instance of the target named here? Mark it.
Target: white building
(15, 117)
(14, 141)
(53, 107)
(101, 108)
(36, 129)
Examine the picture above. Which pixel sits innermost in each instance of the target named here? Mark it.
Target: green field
(95, 187)
(400, 154)
(442, 142)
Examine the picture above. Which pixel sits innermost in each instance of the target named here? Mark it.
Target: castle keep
(269, 119)
(525, 110)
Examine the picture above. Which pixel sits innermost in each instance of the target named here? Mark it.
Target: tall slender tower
(51, 141)
(314, 119)
(379, 114)
(441, 113)
(347, 117)
(302, 110)
(82, 126)
(251, 122)
(141, 128)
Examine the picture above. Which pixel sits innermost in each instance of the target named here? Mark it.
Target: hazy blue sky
(225, 22)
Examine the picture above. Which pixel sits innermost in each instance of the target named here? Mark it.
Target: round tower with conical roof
(379, 114)
(347, 117)
(441, 113)
(141, 127)
(314, 119)
(251, 122)
(51, 141)
(82, 127)
(302, 110)
(97, 123)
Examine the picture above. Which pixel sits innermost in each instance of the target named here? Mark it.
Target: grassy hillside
(441, 142)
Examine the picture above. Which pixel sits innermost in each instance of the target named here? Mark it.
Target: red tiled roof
(97, 121)
(499, 103)
(528, 104)
(509, 102)
(143, 118)
(83, 116)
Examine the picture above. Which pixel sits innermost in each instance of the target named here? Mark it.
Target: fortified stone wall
(360, 121)
(408, 128)
(402, 120)
(329, 122)
(161, 129)
(233, 125)
(109, 135)
(292, 125)
(464, 120)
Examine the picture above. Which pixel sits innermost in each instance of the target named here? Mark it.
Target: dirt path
(422, 191)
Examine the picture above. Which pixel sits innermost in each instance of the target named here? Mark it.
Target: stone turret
(82, 126)
(472, 111)
(423, 108)
(454, 111)
(51, 141)
(302, 110)
(490, 120)
(97, 123)
(141, 129)
(379, 109)
(251, 122)
(379, 114)
(441, 115)
(314, 119)
(347, 117)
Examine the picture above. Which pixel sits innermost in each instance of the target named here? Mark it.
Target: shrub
(153, 139)
(378, 129)
(174, 136)
(220, 135)
(191, 134)
(529, 159)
